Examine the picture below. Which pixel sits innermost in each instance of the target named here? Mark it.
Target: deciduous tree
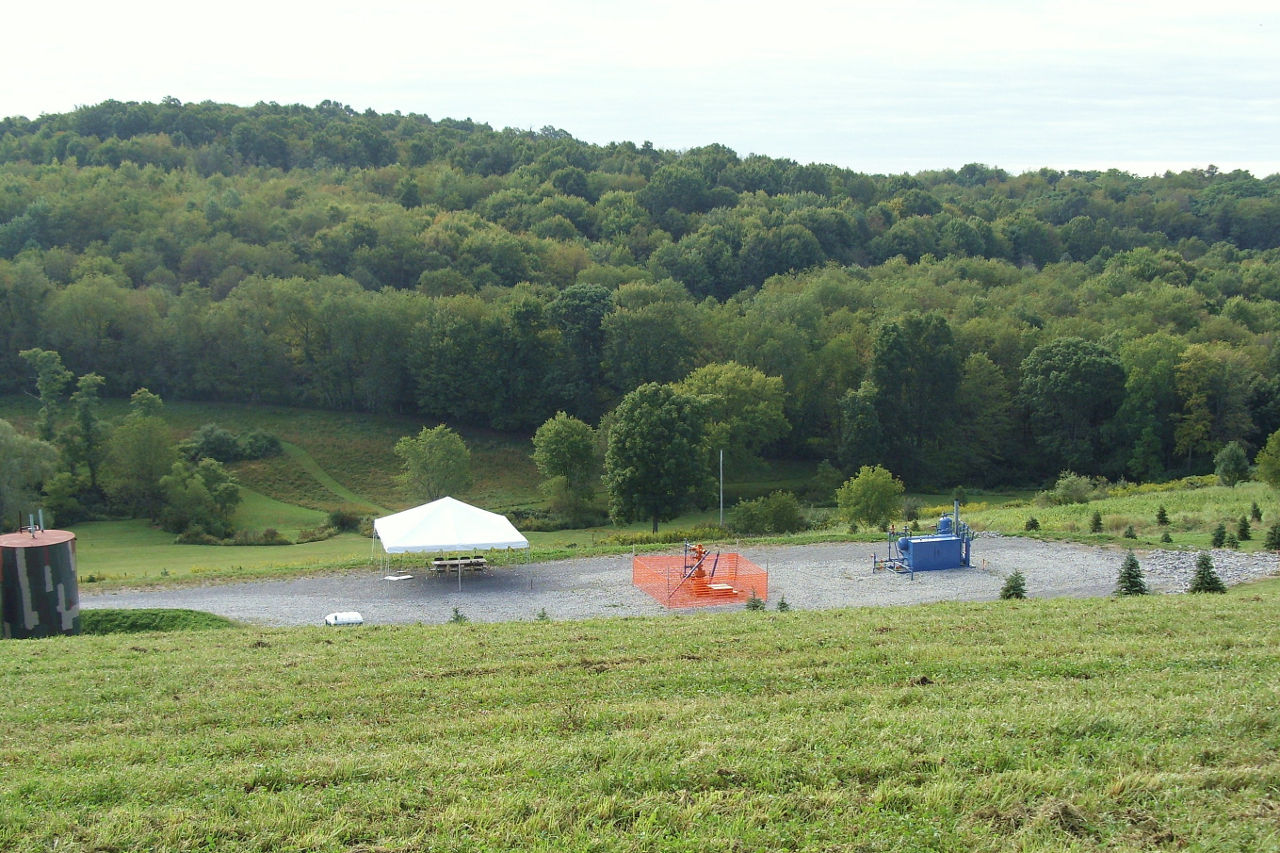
(871, 498)
(84, 439)
(202, 495)
(139, 453)
(1268, 461)
(564, 449)
(25, 463)
(52, 379)
(655, 463)
(436, 463)
(916, 370)
(1231, 464)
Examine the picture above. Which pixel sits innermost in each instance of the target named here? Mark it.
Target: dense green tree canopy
(744, 409)
(324, 257)
(1072, 387)
(916, 370)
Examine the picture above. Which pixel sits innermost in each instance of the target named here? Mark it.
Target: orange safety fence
(725, 579)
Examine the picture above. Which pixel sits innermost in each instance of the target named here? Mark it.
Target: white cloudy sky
(876, 86)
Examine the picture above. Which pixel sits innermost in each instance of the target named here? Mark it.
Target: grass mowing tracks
(1132, 724)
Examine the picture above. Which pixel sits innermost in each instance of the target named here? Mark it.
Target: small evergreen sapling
(1255, 511)
(1166, 538)
(1232, 542)
(1015, 586)
(1206, 579)
(1219, 537)
(1095, 523)
(1243, 531)
(1130, 533)
(1273, 538)
(1131, 580)
(1162, 516)
(1032, 524)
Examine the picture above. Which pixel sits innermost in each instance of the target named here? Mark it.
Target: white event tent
(446, 524)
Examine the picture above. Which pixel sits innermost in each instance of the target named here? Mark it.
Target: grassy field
(1193, 514)
(1039, 725)
(336, 458)
(1133, 724)
(116, 553)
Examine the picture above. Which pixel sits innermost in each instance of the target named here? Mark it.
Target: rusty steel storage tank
(40, 596)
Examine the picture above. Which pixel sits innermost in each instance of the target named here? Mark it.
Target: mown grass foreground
(1068, 724)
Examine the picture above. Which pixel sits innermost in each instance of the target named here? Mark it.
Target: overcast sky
(878, 86)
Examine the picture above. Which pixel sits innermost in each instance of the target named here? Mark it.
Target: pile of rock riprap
(1172, 571)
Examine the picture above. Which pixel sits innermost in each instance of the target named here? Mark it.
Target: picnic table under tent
(447, 525)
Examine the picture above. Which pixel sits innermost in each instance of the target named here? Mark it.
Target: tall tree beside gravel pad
(1015, 586)
(1131, 581)
(656, 462)
(1206, 579)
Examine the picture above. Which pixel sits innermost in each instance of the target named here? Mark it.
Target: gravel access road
(810, 577)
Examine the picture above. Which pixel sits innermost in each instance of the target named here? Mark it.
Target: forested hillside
(957, 326)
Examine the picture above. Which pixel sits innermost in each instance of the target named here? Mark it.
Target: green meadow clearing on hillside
(113, 553)
(1114, 724)
(336, 458)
